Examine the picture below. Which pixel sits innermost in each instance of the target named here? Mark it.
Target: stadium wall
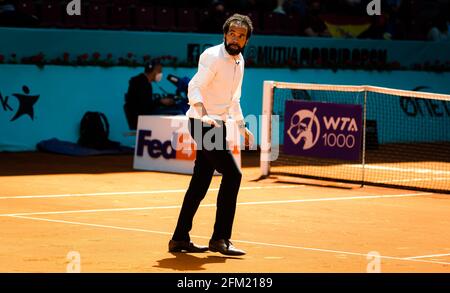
(262, 50)
(66, 92)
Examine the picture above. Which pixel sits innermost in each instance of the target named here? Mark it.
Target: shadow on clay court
(185, 261)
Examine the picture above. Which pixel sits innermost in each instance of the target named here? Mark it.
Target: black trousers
(207, 160)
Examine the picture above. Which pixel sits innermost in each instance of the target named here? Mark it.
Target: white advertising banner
(163, 143)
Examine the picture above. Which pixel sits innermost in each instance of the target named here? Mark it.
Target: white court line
(415, 180)
(427, 256)
(145, 192)
(413, 170)
(239, 241)
(213, 205)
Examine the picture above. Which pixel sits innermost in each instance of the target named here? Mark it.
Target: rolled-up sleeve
(235, 107)
(204, 75)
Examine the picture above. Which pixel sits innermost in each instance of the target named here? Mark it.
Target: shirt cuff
(236, 112)
(195, 97)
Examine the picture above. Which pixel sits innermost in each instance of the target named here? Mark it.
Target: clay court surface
(120, 220)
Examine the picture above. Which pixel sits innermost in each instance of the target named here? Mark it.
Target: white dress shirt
(217, 84)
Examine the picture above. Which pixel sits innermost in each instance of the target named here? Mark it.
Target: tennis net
(358, 134)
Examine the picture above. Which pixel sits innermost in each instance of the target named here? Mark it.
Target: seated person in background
(10, 16)
(439, 30)
(312, 25)
(280, 9)
(139, 98)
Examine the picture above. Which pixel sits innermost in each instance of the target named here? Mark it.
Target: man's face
(153, 75)
(235, 39)
(158, 68)
(158, 73)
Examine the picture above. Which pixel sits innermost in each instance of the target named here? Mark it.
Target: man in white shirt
(214, 94)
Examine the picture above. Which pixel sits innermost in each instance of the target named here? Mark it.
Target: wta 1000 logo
(323, 130)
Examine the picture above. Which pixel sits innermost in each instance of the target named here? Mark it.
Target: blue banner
(60, 95)
(267, 51)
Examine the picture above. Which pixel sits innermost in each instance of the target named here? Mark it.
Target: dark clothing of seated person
(139, 98)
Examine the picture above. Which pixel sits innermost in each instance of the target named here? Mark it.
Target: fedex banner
(323, 130)
(163, 143)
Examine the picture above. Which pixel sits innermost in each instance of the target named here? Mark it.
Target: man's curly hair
(240, 20)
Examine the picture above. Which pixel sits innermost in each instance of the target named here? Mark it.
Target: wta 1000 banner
(324, 130)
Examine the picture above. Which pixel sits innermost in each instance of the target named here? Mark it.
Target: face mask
(158, 77)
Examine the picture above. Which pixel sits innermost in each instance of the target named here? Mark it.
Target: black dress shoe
(186, 246)
(224, 246)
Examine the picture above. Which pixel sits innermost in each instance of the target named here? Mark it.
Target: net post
(363, 159)
(266, 127)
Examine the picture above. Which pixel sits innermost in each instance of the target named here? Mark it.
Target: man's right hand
(201, 111)
(208, 120)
